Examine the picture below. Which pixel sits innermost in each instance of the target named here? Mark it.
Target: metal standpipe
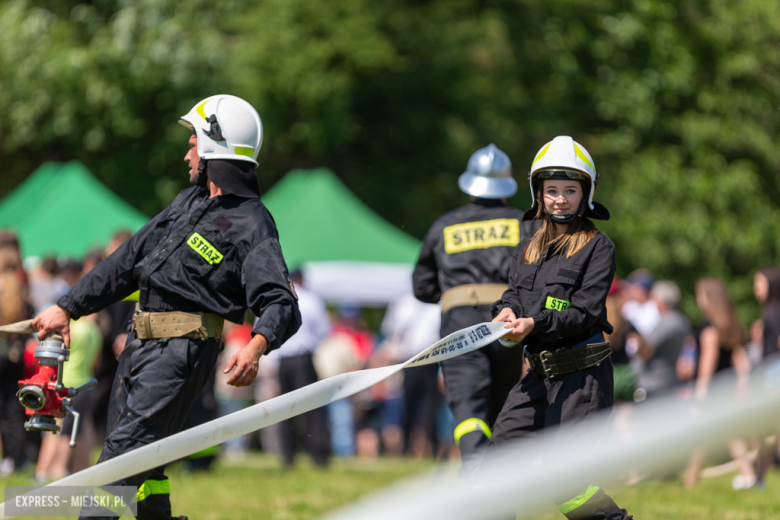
(46, 400)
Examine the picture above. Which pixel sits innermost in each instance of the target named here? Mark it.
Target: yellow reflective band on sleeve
(471, 425)
(200, 110)
(202, 246)
(133, 297)
(541, 154)
(574, 503)
(555, 304)
(583, 157)
(243, 150)
(153, 487)
(481, 235)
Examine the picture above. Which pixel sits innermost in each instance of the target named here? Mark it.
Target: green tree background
(678, 103)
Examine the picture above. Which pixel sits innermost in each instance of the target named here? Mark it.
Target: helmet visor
(561, 174)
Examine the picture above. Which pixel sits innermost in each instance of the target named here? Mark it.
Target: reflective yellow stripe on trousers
(471, 425)
(574, 503)
(153, 487)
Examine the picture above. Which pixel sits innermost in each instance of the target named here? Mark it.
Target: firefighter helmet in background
(488, 175)
(564, 158)
(227, 127)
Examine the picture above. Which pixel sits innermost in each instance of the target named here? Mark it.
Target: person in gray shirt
(662, 347)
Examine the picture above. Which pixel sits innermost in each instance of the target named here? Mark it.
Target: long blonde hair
(720, 312)
(580, 232)
(12, 306)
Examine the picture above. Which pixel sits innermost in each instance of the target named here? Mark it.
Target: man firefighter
(465, 263)
(213, 253)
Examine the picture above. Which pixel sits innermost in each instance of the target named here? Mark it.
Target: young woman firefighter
(555, 303)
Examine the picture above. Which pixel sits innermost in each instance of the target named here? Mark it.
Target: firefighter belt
(472, 294)
(176, 324)
(549, 365)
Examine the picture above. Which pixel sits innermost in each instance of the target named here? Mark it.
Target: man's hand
(53, 319)
(246, 362)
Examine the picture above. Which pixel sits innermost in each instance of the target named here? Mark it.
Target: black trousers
(152, 394)
(420, 398)
(568, 403)
(477, 384)
(309, 430)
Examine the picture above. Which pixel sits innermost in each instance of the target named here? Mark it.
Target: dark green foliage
(676, 101)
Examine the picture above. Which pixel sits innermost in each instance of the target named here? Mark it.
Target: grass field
(258, 487)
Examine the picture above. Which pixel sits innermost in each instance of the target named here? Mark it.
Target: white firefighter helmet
(563, 157)
(488, 175)
(227, 127)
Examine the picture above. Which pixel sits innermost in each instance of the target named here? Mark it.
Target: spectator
(638, 308)
(661, 348)
(625, 344)
(296, 370)
(13, 307)
(721, 337)
(414, 326)
(45, 286)
(338, 354)
(380, 409)
(71, 270)
(114, 322)
(766, 287)
(93, 258)
(721, 346)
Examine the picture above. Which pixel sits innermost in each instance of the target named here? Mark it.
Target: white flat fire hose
(273, 411)
(660, 436)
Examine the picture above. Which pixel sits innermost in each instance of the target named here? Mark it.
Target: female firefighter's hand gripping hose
(555, 304)
(521, 327)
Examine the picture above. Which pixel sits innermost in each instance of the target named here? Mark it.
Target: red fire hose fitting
(43, 396)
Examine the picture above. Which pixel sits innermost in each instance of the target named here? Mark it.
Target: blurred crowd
(656, 351)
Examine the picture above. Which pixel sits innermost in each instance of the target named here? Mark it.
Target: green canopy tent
(62, 209)
(347, 253)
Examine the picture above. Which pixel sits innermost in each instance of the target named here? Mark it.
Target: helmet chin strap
(203, 178)
(569, 218)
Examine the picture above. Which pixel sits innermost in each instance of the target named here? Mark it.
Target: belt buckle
(547, 370)
(530, 357)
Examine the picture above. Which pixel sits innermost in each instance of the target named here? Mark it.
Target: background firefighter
(464, 263)
(213, 253)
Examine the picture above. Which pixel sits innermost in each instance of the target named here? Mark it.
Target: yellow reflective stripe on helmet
(153, 487)
(541, 154)
(200, 110)
(243, 150)
(471, 425)
(574, 503)
(583, 157)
